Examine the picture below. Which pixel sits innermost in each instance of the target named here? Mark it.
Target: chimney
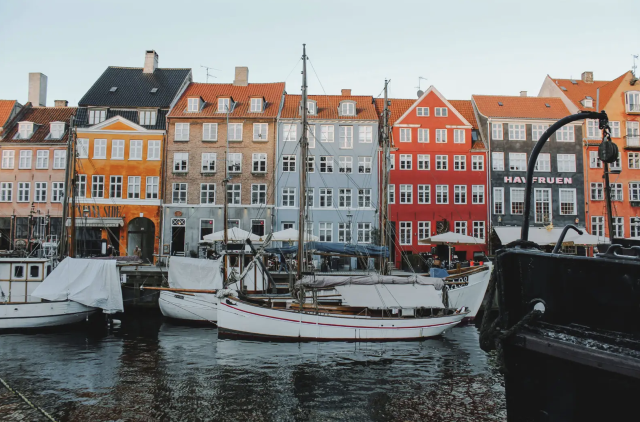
(60, 103)
(150, 61)
(38, 89)
(587, 77)
(346, 92)
(242, 76)
(523, 93)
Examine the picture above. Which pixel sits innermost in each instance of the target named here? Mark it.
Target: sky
(461, 47)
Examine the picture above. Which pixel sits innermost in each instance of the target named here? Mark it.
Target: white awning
(292, 235)
(543, 237)
(97, 222)
(450, 238)
(234, 234)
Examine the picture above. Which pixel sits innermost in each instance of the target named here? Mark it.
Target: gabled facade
(207, 121)
(9, 109)
(439, 176)
(342, 171)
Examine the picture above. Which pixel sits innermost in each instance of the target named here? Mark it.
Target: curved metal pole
(534, 157)
(563, 234)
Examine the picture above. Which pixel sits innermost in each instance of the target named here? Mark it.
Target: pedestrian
(109, 250)
(137, 252)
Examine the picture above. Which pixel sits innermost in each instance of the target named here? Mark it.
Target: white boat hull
(237, 318)
(472, 294)
(190, 307)
(42, 314)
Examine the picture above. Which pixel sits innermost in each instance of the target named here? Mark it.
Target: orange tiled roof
(5, 110)
(579, 90)
(328, 107)
(465, 108)
(42, 116)
(271, 92)
(520, 107)
(398, 107)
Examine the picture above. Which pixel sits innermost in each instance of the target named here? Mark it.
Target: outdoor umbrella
(291, 235)
(234, 234)
(450, 238)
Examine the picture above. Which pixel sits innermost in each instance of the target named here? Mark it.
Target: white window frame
(8, 159)
(207, 190)
(6, 191)
(326, 162)
(97, 116)
(424, 194)
(597, 225)
(261, 132)
(345, 164)
(596, 191)
(152, 187)
(391, 194)
(406, 162)
(234, 132)
(178, 190)
(59, 159)
(594, 160)
(406, 194)
(442, 194)
(405, 134)
(479, 230)
(209, 131)
(364, 232)
(365, 134)
(24, 192)
(256, 105)
(345, 198)
(209, 162)
(517, 132)
(117, 149)
(364, 197)
(82, 148)
(424, 162)
(405, 233)
(422, 111)
(57, 191)
(180, 160)
(442, 161)
(114, 182)
(234, 193)
(543, 162)
(477, 163)
(97, 186)
(365, 165)
(224, 105)
(442, 112)
(26, 156)
(325, 231)
(327, 133)
(259, 158)
(517, 161)
(153, 150)
(633, 160)
(537, 130)
(42, 159)
(498, 198)
(233, 159)
(134, 187)
(259, 194)
(566, 134)
(512, 200)
(40, 192)
(458, 136)
(99, 149)
(348, 108)
(459, 163)
(460, 227)
(497, 131)
(536, 192)
(181, 132)
(566, 163)
(147, 117)
(459, 194)
(497, 161)
(325, 198)
(346, 137)
(574, 202)
(289, 164)
(423, 136)
(424, 230)
(477, 194)
(441, 136)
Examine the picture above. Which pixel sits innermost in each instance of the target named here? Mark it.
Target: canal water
(149, 369)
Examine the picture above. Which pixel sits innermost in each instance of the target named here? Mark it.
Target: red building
(438, 181)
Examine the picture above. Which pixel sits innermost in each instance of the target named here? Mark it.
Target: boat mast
(72, 170)
(64, 238)
(384, 200)
(303, 165)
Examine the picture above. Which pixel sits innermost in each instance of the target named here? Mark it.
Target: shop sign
(547, 180)
(97, 211)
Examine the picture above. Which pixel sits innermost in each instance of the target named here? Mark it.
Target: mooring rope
(26, 400)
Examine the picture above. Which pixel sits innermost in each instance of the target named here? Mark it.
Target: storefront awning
(543, 237)
(97, 222)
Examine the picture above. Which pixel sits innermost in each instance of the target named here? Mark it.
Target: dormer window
(193, 105)
(57, 129)
(587, 102)
(348, 108)
(25, 130)
(97, 116)
(256, 105)
(223, 105)
(147, 117)
(311, 107)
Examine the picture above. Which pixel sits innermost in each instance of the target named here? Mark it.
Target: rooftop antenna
(420, 91)
(634, 67)
(208, 74)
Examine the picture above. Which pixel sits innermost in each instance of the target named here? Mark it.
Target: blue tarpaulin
(338, 248)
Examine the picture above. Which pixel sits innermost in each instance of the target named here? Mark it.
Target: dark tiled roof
(42, 116)
(82, 117)
(134, 87)
(328, 107)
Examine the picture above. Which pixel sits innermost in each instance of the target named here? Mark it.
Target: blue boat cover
(332, 247)
(438, 272)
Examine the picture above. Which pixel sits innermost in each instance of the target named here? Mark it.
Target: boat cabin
(20, 276)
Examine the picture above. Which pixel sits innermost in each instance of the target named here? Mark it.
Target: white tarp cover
(330, 281)
(194, 273)
(542, 236)
(292, 235)
(387, 296)
(450, 238)
(91, 282)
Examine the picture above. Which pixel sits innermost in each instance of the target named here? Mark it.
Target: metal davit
(567, 333)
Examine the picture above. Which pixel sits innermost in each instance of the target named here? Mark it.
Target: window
(234, 131)
(593, 129)
(423, 136)
(634, 191)
(179, 193)
(442, 112)
(310, 197)
(311, 164)
(597, 226)
(40, 192)
(543, 163)
(567, 202)
(537, 131)
(496, 131)
(542, 199)
(594, 160)
(344, 232)
(498, 200)
(459, 162)
(59, 159)
(326, 198)
(260, 131)
(618, 227)
(234, 162)
(147, 117)
(517, 161)
(406, 194)
(259, 161)
(441, 136)
(289, 132)
(180, 162)
(256, 105)
(479, 229)
(405, 135)
(81, 186)
(441, 162)
(206, 227)
(405, 161)
(6, 192)
(617, 165)
(289, 197)
(311, 136)
(25, 159)
(422, 111)
(117, 149)
(133, 187)
(424, 194)
(458, 136)
(326, 164)
(459, 194)
(8, 159)
(365, 134)
(442, 194)
(477, 194)
(182, 131)
(634, 160)
(344, 198)
(257, 227)
(57, 191)
(288, 163)
(632, 100)
(209, 162)
(24, 190)
(115, 187)
(635, 226)
(633, 134)
(234, 193)
(497, 161)
(517, 132)
(152, 187)
(567, 163)
(100, 148)
(311, 107)
(97, 186)
(565, 134)
(209, 131)
(97, 116)
(42, 159)
(364, 232)
(392, 194)
(424, 161)
(326, 133)
(460, 227)
(477, 162)
(392, 161)
(424, 229)
(346, 137)
(345, 164)
(82, 148)
(364, 198)
(517, 201)
(364, 165)
(615, 129)
(597, 192)
(405, 232)
(348, 109)
(135, 150)
(258, 194)
(326, 232)
(223, 105)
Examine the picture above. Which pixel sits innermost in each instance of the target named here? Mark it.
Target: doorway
(178, 236)
(141, 233)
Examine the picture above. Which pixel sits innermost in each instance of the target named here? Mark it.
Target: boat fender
(230, 302)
